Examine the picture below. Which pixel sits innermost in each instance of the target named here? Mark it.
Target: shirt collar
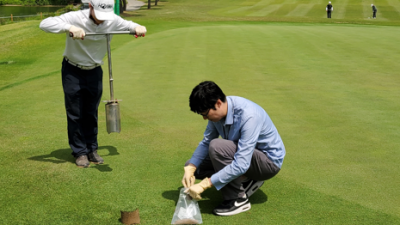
(229, 115)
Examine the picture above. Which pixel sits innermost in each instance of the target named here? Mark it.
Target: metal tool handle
(114, 32)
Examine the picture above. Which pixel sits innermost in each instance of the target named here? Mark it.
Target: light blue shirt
(250, 126)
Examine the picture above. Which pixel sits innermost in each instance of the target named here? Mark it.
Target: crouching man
(249, 151)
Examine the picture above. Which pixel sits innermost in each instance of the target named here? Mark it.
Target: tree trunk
(122, 6)
(156, 2)
(149, 4)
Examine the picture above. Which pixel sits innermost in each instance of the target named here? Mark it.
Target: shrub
(42, 2)
(68, 8)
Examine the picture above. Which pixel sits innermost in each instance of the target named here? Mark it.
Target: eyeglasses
(206, 114)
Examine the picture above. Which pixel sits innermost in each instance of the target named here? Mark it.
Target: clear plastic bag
(187, 210)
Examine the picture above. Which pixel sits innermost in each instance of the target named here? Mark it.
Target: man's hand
(139, 30)
(77, 33)
(188, 177)
(195, 190)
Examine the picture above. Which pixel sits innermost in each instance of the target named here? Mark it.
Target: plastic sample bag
(187, 210)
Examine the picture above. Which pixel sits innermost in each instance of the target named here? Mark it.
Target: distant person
(329, 9)
(374, 10)
(249, 151)
(82, 75)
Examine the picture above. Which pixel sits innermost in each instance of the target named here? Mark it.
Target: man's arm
(201, 151)
(57, 24)
(124, 25)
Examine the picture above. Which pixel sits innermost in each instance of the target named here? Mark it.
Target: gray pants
(221, 153)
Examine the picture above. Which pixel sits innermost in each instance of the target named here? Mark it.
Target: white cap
(103, 9)
(372, 4)
(329, 2)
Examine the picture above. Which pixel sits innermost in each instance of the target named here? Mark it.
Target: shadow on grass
(65, 156)
(212, 198)
(28, 80)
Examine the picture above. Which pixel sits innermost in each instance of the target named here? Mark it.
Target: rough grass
(331, 89)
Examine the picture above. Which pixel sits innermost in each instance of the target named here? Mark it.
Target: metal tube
(113, 117)
(110, 67)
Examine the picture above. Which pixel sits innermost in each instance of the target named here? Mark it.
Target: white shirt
(92, 49)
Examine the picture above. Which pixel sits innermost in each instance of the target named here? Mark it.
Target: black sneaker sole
(243, 208)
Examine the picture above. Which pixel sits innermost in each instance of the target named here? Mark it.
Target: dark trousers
(82, 94)
(329, 14)
(221, 153)
(374, 15)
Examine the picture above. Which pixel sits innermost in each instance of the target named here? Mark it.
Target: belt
(80, 66)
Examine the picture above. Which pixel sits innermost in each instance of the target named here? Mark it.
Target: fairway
(332, 91)
(343, 9)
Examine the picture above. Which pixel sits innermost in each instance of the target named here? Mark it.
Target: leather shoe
(95, 158)
(82, 161)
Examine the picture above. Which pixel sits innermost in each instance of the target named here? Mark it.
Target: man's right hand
(77, 33)
(189, 178)
(139, 31)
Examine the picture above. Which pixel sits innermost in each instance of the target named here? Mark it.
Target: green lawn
(331, 88)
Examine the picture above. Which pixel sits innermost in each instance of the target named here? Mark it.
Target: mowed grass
(332, 90)
(310, 11)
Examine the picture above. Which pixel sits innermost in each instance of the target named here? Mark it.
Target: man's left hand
(195, 190)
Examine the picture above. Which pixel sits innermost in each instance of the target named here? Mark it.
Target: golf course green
(331, 87)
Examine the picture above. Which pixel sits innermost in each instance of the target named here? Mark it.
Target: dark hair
(204, 96)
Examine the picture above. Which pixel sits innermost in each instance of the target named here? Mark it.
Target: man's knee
(222, 148)
(214, 143)
(214, 147)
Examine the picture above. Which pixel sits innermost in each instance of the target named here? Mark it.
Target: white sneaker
(233, 207)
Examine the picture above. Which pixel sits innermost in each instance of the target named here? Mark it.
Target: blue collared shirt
(250, 126)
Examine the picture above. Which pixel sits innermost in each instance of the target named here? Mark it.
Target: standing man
(329, 9)
(374, 10)
(82, 75)
(250, 151)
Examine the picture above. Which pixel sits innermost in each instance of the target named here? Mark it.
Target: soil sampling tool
(113, 116)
